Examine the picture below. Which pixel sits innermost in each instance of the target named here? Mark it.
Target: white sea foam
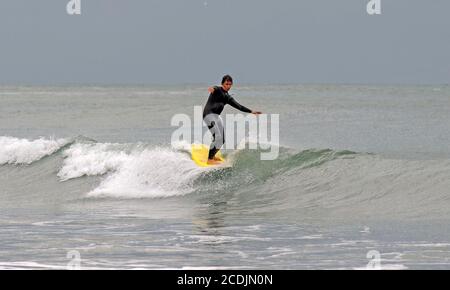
(91, 159)
(151, 173)
(133, 171)
(28, 266)
(24, 151)
(384, 267)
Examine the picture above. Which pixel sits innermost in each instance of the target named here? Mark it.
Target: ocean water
(362, 180)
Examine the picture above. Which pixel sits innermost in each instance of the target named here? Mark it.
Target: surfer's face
(227, 85)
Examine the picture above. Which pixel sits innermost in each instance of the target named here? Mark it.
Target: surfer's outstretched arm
(232, 102)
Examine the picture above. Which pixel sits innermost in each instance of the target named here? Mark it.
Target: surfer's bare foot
(217, 159)
(213, 162)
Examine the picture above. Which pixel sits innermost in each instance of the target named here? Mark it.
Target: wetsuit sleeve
(232, 102)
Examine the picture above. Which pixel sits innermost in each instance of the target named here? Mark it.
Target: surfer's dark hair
(227, 78)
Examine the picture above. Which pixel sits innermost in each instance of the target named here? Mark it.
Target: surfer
(217, 100)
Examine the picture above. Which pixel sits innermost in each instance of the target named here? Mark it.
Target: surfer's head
(227, 82)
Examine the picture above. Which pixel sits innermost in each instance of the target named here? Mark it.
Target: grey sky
(257, 41)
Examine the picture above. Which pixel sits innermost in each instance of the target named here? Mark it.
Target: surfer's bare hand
(256, 112)
(211, 90)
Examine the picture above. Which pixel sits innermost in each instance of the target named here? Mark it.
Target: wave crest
(24, 151)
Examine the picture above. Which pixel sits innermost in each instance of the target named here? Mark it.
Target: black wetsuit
(214, 107)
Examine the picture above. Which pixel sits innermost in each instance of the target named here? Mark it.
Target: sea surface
(89, 177)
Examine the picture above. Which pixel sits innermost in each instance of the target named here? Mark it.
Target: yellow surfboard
(199, 153)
